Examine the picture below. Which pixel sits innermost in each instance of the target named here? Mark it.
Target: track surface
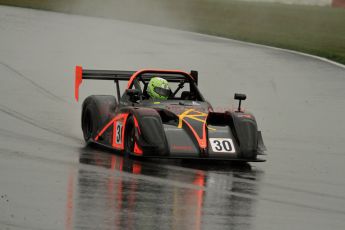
(50, 180)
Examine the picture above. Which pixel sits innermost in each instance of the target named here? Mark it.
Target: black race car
(183, 126)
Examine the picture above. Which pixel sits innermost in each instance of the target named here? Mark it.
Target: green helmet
(158, 88)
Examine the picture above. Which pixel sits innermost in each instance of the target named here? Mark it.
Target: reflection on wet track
(176, 194)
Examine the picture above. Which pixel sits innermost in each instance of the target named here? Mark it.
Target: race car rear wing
(121, 75)
(114, 75)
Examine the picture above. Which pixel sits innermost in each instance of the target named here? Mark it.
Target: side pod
(247, 133)
(152, 137)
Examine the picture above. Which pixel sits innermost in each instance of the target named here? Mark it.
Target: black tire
(129, 136)
(87, 124)
(97, 111)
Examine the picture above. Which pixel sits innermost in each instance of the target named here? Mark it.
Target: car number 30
(224, 145)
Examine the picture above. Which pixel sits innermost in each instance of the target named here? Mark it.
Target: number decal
(218, 147)
(227, 145)
(223, 145)
(118, 133)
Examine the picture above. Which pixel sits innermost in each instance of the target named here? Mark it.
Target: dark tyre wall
(97, 111)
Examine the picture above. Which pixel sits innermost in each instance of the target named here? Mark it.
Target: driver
(158, 88)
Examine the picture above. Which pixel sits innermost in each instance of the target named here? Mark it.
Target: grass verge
(310, 29)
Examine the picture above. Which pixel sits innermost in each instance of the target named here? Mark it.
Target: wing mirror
(240, 97)
(133, 94)
(194, 74)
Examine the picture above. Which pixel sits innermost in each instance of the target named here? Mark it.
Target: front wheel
(129, 136)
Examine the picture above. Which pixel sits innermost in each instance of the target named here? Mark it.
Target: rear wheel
(87, 125)
(97, 111)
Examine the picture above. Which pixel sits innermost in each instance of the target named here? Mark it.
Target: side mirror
(133, 94)
(194, 74)
(240, 97)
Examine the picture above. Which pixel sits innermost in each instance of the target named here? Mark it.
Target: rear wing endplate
(115, 75)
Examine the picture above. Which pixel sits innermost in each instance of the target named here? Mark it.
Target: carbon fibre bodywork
(173, 128)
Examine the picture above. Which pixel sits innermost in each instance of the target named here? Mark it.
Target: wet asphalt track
(50, 180)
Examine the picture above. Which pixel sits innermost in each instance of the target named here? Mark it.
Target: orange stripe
(201, 141)
(105, 128)
(136, 124)
(117, 118)
(136, 74)
(123, 117)
(137, 150)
